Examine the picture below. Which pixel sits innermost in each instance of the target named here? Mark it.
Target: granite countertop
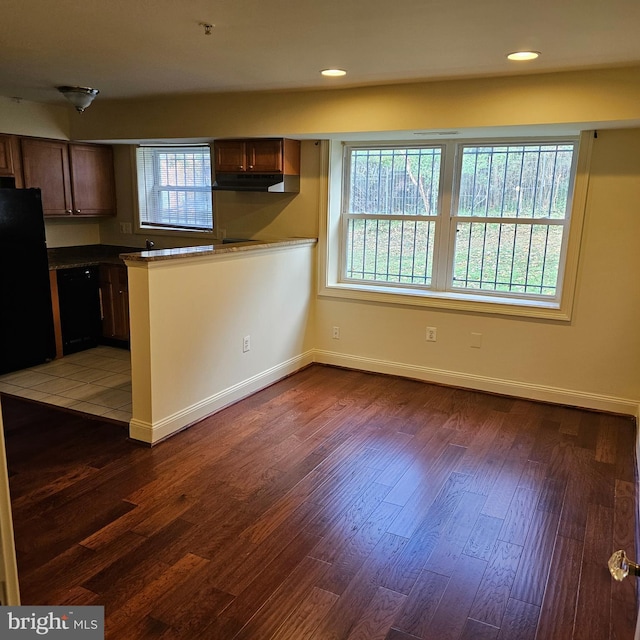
(210, 250)
(86, 255)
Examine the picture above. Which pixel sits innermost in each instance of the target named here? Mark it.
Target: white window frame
(331, 267)
(140, 197)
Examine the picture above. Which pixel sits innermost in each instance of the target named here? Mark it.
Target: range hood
(265, 182)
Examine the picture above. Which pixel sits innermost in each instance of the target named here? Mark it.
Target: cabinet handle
(68, 211)
(241, 167)
(250, 166)
(77, 211)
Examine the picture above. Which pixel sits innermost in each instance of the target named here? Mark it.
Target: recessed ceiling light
(523, 55)
(333, 73)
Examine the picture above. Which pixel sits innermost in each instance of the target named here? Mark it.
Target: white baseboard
(525, 390)
(154, 433)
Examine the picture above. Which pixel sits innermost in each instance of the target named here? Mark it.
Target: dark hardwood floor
(333, 505)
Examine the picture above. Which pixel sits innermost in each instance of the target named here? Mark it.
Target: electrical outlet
(335, 333)
(476, 340)
(125, 227)
(431, 334)
(246, 344)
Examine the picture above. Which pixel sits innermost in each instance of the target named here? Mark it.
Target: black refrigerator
(26, 316)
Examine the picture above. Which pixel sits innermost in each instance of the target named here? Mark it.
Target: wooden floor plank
(424, 492)
(375, 622)
(454, 538)
(304, 620)
(483, 537)
(558, 612)
(491, 599)
(595, 581)
(475, 630)
(334, 504)
(458, 596)
(533, 571)
(624, 594)
(421, 604)
(520, 621)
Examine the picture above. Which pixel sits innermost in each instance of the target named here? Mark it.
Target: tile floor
(96, 381)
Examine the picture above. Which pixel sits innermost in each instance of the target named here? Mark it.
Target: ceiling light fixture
(520, 56)
(79, 97)
(333, 73)
(207, 27)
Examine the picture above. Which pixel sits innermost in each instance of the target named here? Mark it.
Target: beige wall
(605, 96)
(264, 216)
(26, 118)
(596, 354)
(22, 117)
(188, 321)
(63, 233)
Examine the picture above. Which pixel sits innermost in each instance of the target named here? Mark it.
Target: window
(511, 218)
(393, 201)
(174, 188)
(487, 222)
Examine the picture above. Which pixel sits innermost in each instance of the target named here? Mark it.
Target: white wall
(188, 321)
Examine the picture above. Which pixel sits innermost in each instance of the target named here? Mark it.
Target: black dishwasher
(79, 298)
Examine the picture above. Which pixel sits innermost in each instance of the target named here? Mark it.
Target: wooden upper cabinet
(230, 156)
(257, 155)
(8, 157)
(92, 180)
(265, 156)
(6, 160)
(45, 166)
(75, 179)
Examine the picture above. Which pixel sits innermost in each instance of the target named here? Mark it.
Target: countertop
(210, 250)
(86, 255)
(95, 254)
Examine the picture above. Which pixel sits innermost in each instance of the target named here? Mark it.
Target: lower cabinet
(79, 308)
(114, 298)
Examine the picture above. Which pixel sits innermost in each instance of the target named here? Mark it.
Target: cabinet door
(229, 156)
(6, 156)
(92, 180)
(114, 294)
(264, 156)
(45, 165)
(122, 306)
(107, 301)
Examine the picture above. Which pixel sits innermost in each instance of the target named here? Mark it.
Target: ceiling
(139, 48)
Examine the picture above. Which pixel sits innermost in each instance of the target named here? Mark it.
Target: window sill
(475, 303)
